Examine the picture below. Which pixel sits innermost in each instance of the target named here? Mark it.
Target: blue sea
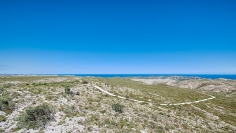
(207, 76)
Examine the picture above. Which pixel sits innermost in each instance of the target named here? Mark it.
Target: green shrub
(7, 85)
(118, 107)
(1, 90)
(35, 117)
(6, 104)
(2, 118)
(67, 90)
(84, 82)
(15, 129)
(14, 94)
(103, 111)
(70, 111)
(1, 130)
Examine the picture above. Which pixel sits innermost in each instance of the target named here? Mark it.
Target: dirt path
(183, 103)
(116, 95)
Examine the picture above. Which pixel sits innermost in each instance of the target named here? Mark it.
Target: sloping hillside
(73, 104)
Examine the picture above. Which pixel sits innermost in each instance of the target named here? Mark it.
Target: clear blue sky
(122, 36)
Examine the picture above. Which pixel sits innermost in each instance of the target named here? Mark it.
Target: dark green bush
(7, 85)
(6, 104)
(2, 118)
(117, 107)
(35, 117)
(1, 90)
(67, 90)
(84, 82)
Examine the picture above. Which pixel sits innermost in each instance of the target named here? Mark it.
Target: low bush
(2, 118)
(70, 111)
(7, 85)
(67, 90)
(1, 90)
(6, 104)
(1, 130)
(14, 94)
(118, 107)
(35, 117)
(84, 82)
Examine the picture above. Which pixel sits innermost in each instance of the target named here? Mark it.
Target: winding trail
(183, 103)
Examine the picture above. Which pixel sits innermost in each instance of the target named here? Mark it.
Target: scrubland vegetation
(72, 104)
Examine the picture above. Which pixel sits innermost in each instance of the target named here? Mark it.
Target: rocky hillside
(41, 104)
(218, 85)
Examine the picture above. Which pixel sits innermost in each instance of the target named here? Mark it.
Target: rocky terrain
(50, 104)
(218, 85)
